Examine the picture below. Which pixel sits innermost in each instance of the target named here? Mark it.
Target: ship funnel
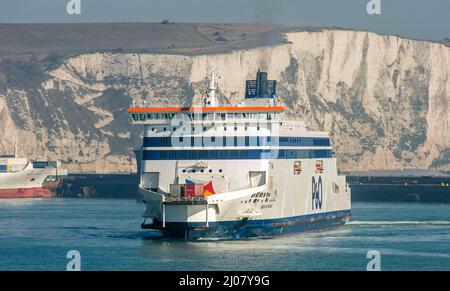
(260, 87)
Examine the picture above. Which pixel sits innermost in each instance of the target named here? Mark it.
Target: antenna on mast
(212, 91)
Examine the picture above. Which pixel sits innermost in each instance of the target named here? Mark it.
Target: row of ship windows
(201, 171)
(233, 141)
(234, 154)
(204, 116)
(204, 128)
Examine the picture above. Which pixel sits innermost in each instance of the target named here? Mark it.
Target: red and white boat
(20, 178)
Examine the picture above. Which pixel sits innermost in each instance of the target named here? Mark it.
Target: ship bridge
(259, 106)
(224, 114)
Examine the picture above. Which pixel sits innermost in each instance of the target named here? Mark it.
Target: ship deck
(183, 200)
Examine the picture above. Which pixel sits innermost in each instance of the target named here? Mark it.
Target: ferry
(21, 178)
(247, 170)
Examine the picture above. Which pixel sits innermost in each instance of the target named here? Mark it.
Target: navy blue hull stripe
(271, 223)
(253, 154)
(254, 228)
(236, 141)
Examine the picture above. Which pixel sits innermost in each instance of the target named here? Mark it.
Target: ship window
(235, 128)
(245, 128)
(153, 129)
(184, 171)
(229, 141)
(319, 166)
(225, 128)
(32, 179)
(202, 171)
(230, 116)
(213, 138)
(335, 188)
(222, 116)
(210, 170)
(180, 139)
(203, 154)
(204, 128)
(220, 170)
(244, 154)
(257, 128)
(164, 129)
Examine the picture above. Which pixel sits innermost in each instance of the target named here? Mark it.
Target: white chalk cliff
(384, 99)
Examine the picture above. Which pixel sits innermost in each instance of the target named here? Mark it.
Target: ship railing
(204, 118)
(183, 199)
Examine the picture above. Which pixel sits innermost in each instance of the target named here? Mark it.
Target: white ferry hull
(30, 183)
(267, 210)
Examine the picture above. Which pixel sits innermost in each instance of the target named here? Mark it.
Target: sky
(419, 19)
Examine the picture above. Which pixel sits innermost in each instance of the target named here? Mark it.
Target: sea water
(37, 234)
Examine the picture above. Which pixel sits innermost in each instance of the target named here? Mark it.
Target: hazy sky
(425, 19)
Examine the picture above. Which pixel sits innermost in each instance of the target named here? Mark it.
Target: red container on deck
(191, 190)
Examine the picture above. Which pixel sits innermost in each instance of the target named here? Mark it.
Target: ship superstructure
(20, 178)
(237, 171)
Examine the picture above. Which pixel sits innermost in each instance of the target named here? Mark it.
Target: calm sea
(37, 234)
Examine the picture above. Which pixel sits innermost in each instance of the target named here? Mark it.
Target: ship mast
(211, 98)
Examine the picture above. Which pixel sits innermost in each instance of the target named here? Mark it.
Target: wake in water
(400, 222)
(18, 202)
